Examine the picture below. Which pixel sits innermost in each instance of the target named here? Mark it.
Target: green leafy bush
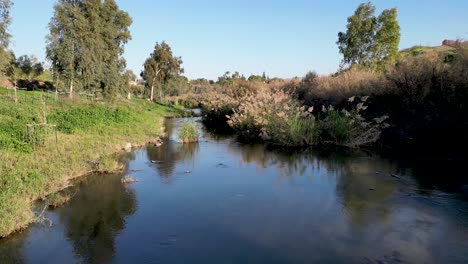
(188, 133)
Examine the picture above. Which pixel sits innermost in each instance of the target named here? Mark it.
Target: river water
(220, 201)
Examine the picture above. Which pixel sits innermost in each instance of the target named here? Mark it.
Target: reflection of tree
(286, 163)
(11, 249)
(96, 215)
(168, 155)
(362, 192)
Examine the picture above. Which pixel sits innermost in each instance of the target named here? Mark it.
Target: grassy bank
(89, 133)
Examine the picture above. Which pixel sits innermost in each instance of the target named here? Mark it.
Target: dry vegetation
(423, 93)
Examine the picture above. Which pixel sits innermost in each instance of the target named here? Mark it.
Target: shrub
(349, 128)
(273, 115)
(188, 133)
(216, 108)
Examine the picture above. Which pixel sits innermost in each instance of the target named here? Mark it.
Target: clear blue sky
(282, 38)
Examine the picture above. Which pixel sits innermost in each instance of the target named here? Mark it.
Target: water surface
(219, 201)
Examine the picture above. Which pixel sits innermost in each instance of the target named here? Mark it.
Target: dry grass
(335, 89)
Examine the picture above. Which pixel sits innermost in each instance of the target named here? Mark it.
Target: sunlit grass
(89, 134)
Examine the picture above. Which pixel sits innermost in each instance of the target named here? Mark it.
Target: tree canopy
(370, 40)
(160, 67)
(86, 43)
(5, 21)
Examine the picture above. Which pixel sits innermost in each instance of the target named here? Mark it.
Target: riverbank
(89, 134)
(260, 202)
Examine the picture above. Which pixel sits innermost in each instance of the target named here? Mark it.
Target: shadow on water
(220, 201)
(87, 226)
(166, 157)
(96, 215)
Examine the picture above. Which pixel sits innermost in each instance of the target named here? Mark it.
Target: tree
(86, 43)
(5, 21)
(131, 77)
(30, 66)
(61, 49)
(370, 40)
(160, 67)
(13, 71)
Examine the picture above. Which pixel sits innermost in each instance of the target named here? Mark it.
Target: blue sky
(282, 38)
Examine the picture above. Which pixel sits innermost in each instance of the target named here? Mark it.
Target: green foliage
(85, 117)
(5, 21)
(29, 66)
(297, 131)
(86, 44)
(335, 128)
(188, 133)
(176, 86)
(369, 40)
(99, 130)
(160, 67)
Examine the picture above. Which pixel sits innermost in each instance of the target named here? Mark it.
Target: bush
(188, 133)
(349, 128)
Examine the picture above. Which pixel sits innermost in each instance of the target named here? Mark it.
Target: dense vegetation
(86, 44)
(379, 95)
(88, 134)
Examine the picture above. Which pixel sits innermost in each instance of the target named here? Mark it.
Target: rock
(372, 189)
(127, 180)
(127, 147)
(187, 172)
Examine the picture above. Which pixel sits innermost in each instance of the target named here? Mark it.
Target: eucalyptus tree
(370, 40)
(160, 67)
(86, 43)
(5, 21)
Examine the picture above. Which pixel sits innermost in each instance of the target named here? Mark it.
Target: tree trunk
(71, 89)
(16, 94)
(152, 93)
(129, 96)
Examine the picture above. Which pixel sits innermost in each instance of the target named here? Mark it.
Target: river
(220, 201)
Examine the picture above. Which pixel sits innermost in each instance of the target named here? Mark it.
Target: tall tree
(160, 67)
(30, 66)
(5, 21)
(62, 49)
(86, 44)
(369, 40)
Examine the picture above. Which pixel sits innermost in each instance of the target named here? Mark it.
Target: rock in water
(127, 180)
(128, 147)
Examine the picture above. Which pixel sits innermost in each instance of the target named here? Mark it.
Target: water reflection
(363, 183)
(96, 215)
(11, 249)
(246, 203)
(166, 157)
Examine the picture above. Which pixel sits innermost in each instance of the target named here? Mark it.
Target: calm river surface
(219, 201)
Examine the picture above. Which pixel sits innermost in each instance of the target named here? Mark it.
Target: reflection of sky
(243, 203)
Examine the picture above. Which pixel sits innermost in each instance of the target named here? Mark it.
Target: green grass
(89, 133)
(188, 133)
